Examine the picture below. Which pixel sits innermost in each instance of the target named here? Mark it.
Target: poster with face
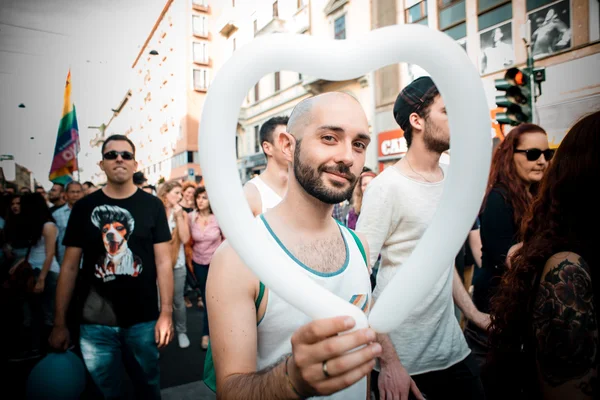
(551, 28)
(497, 50)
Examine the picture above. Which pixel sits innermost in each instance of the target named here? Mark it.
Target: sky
(39, 41)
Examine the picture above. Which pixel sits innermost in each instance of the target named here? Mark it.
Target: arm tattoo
(566, 329)
(268, 383)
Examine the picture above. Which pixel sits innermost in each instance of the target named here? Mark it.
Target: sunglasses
(534, 154)
(113, 154)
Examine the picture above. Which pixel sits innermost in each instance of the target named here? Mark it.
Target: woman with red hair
(518, 165)
(544, 331)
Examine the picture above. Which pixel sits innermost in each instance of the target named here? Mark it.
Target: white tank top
(268, 197)
(37, 256)
(351, 282)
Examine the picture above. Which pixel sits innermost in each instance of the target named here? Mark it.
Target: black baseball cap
(411, 98)
(139, 178)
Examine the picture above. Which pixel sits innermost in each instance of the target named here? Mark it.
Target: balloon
(57, 376)
(460, 85)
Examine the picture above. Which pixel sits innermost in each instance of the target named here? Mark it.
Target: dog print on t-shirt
(116, 225)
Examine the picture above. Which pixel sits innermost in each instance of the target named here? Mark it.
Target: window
(452, 19)
(255, 26)
(234, 44)
(237, 146)
(275, 9)
(190, 157)
(339, 28)
(498, 13)
(533, 4)
(451, 13)
(299, 77)
(200, 52)
(200, 25)
(277, 81)
(256, 92)
(201, 3)
(201, 77)
(256, 139)
(415, 11)
(495, 35)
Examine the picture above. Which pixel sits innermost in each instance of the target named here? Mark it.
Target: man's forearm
(269, 383)
(388, 352)
(462, 298)
(64, 292)
(165, 286)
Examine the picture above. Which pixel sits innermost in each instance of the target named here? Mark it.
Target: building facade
(170, 78)
(277, 93)
(565, 38)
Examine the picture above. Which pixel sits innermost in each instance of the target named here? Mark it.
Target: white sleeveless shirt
(37, 255)
(268, 197)
(351, 282)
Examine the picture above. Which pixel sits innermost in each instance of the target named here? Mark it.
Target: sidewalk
(189, 391)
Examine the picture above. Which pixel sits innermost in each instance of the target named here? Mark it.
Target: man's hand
(163, 330)
(323, 363)
(39, 286)
(60, 338)
(482, 320)
(395, 383)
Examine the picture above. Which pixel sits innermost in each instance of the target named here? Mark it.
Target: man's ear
(287, 143)
(267, 149)
(101, 165)
(416, 121)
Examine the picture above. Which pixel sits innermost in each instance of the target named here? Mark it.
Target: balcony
(276, 25)
(313, 85)
(205, 62)
(201, 5)
(300, 22)
(228, 24)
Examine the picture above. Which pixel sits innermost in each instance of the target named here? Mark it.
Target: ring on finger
(325, 372)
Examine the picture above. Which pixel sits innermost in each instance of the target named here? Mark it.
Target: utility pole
(536, 75)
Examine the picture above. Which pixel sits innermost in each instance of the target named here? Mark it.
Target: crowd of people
(111, 270)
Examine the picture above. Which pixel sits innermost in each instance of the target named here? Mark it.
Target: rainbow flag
(67, 142)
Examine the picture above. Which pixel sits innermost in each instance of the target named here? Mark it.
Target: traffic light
(517, 98)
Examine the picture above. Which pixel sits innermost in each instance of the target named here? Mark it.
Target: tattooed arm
(566, 329)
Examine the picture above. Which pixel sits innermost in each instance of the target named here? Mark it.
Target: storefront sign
(391, 143)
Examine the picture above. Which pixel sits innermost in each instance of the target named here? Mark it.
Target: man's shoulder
(386, 181)
(60, 209)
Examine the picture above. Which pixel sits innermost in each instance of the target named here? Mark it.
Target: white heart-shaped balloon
(336, 60)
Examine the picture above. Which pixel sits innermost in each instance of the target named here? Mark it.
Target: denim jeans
(105, 349)
(179, 309)
(201, 272)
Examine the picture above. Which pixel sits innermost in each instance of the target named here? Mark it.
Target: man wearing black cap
(139, 179)
(398, 206)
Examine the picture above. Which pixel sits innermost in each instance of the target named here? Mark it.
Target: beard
(433, 137)
(312, 182)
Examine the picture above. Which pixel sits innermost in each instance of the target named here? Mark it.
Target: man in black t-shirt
(123, 234)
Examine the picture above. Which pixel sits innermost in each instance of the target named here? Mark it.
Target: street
(181, 369)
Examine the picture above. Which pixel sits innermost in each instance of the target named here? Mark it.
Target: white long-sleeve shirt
(395, 213)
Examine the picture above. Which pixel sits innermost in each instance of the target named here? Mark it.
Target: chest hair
(325, 255)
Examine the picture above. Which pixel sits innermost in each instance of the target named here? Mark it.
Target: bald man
(262, 347)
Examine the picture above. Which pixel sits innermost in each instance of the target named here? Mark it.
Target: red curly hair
(503, 172)
(564, 216)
